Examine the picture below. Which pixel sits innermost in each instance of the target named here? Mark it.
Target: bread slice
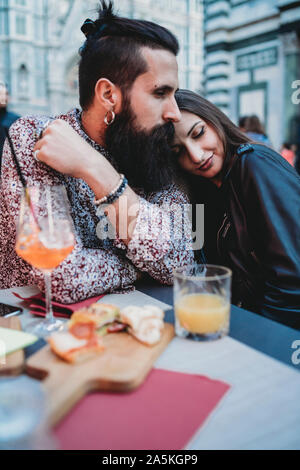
(145, 323)
(97, 314)
(133, 315)
(104, 309)
(72, 349)
(83, 324)
(149, 331)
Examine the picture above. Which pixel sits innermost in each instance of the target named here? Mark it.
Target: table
(258, 332)
(262, 409)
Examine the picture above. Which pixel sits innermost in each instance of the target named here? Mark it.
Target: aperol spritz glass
(45, 237)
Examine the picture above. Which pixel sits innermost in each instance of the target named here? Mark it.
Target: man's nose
(172, 112)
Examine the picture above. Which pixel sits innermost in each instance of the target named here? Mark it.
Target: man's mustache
(158, 141)
(142, 155)
(166, 131)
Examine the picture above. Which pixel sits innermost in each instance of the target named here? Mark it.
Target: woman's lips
(206, 165)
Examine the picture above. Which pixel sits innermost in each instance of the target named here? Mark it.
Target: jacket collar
(241, 150)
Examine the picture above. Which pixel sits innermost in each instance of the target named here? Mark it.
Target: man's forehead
(3, 95)
(162, 68)
(3, 92)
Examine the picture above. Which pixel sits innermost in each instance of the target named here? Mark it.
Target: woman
(252, 200)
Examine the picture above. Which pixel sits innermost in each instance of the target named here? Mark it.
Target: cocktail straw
(15, 159)
(22, 179)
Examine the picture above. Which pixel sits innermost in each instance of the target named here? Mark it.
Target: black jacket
(6, 120)
(253, 227)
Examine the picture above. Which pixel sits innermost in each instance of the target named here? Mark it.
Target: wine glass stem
(49, 311)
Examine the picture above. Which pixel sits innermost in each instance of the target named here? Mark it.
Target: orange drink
(39, 256)
(202, 313)
(202, 301)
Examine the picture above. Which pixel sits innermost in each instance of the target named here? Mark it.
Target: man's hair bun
(106, 14)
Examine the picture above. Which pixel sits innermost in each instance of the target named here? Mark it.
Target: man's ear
(108, 95)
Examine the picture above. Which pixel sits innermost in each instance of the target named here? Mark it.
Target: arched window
(21, 29)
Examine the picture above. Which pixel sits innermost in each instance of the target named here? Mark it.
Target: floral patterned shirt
(95, 266)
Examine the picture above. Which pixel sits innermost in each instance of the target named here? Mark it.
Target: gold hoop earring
(112, 118)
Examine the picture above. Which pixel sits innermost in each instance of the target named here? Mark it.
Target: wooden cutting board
(121, 367)
(14, 362)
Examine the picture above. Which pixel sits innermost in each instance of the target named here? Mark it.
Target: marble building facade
(252, 62)
(39, 42)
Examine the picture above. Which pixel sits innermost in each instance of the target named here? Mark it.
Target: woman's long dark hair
(229, 134)
(200, 189)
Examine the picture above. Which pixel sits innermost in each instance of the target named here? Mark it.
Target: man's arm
(144, 227)
(161, 240)
(62, 149)
(85, 272)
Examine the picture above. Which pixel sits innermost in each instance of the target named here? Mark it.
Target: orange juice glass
(202, 301)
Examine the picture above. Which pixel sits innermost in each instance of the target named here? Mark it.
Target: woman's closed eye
(198, 132)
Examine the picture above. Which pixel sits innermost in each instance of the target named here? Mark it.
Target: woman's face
(198, 147)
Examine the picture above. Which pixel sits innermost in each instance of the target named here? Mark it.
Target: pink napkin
(38, 307)
(163, 414)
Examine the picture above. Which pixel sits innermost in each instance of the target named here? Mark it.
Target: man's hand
(62, 149)
(65, 151)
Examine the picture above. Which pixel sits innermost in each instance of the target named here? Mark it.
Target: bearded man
(128, 76)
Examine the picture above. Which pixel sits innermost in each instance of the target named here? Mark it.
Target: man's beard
(143, 157)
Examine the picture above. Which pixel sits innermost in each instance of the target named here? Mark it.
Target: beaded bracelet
(115, 193)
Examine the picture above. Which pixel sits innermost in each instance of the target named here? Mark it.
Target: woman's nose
(196, 154)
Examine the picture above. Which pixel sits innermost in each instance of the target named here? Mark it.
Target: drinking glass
(23, 415)
(45, 237)
(202, 296)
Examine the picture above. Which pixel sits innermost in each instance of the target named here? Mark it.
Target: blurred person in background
(242, 123)
(287, 153)
(6, 118)
(254, 129)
